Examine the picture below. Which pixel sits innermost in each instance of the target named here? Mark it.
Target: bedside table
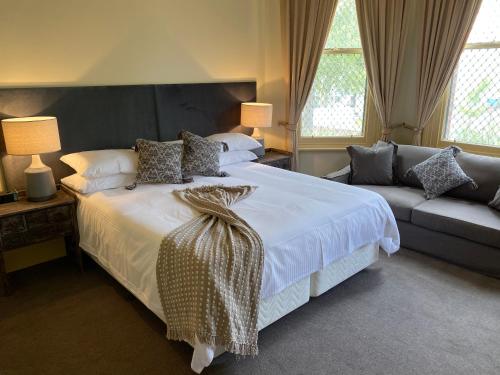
(276, 158)
(24, 223)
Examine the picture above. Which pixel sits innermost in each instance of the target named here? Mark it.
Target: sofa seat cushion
(466, 219)
(401, 199)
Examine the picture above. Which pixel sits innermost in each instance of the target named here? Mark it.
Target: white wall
(320, 162)
(127, 42)
(271, 86)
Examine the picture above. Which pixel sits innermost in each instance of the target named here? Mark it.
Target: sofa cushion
(409, 156)
(484, 170)
(440, 173)
(401, 199)
(342, 175)
(470, 220)
(495, 202)
(371, 165)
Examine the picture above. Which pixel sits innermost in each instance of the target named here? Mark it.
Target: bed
(316, 234)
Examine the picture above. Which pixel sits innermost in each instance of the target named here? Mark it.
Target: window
(336, 104)
(473, 110)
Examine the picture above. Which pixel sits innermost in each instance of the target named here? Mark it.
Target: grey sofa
(459, 226)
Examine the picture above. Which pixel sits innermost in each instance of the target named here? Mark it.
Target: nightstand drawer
(13, 224)
(58, 214)
(44, 217)
(12, 241)
(35, 219)
(283, 164)
(276, 158)
(48, 230)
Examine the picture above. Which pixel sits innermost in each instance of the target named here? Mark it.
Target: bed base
(342, 269)
(274, 308)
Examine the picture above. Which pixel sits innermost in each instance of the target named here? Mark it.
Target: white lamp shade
(256, 115)
(31, 135)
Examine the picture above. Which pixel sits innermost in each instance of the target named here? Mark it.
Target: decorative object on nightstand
(256, 116)
(276, 158)
(10, 196)
(34, 136)
(24, 223)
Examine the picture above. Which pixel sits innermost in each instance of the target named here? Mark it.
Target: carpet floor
(408, 314)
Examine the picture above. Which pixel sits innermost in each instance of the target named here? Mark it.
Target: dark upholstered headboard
(103, 117)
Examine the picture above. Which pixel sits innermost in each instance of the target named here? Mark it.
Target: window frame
(369, 133)
(434, 132)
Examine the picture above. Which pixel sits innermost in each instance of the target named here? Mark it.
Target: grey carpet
(409, 314)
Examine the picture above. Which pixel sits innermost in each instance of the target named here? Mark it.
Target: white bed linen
(305, 224)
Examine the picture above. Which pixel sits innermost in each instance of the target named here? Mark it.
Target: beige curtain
(383, 26)
(305, 28)
(447, 24)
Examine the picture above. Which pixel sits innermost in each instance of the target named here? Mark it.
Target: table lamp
(34, 136)
(256, 116)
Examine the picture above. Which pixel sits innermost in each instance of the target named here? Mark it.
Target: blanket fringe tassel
(242, 349)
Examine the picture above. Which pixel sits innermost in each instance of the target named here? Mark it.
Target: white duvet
(305, 224)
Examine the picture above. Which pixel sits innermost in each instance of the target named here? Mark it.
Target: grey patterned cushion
(200, 156)
(495, 202)
(159, 163)
(440, 173)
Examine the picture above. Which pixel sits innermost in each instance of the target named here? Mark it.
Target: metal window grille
(473, 111)
(336, 103)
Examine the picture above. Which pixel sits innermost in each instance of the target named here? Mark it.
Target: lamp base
(256, 133)
(40, 184)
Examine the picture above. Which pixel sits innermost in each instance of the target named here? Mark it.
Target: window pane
(485, 27)
(474, 107)
(335, 107)
(344, 32)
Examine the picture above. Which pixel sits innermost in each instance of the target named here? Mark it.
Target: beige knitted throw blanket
(209, 273)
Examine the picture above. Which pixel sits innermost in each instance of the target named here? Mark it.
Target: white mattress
(305, 223)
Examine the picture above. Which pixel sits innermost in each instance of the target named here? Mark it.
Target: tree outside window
(473, 111)
(336, 104)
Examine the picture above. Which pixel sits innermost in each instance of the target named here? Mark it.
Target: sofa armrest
(342, 175)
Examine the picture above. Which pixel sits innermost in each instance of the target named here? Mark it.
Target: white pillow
(236, 141)
(102, 163)
(232, 157)
(91, 185)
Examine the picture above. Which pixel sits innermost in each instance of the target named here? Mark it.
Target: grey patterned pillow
(159, 162)
(200, 156)
(440, 173)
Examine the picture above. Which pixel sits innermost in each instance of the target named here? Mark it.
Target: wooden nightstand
(276, 158)
(24, 223)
